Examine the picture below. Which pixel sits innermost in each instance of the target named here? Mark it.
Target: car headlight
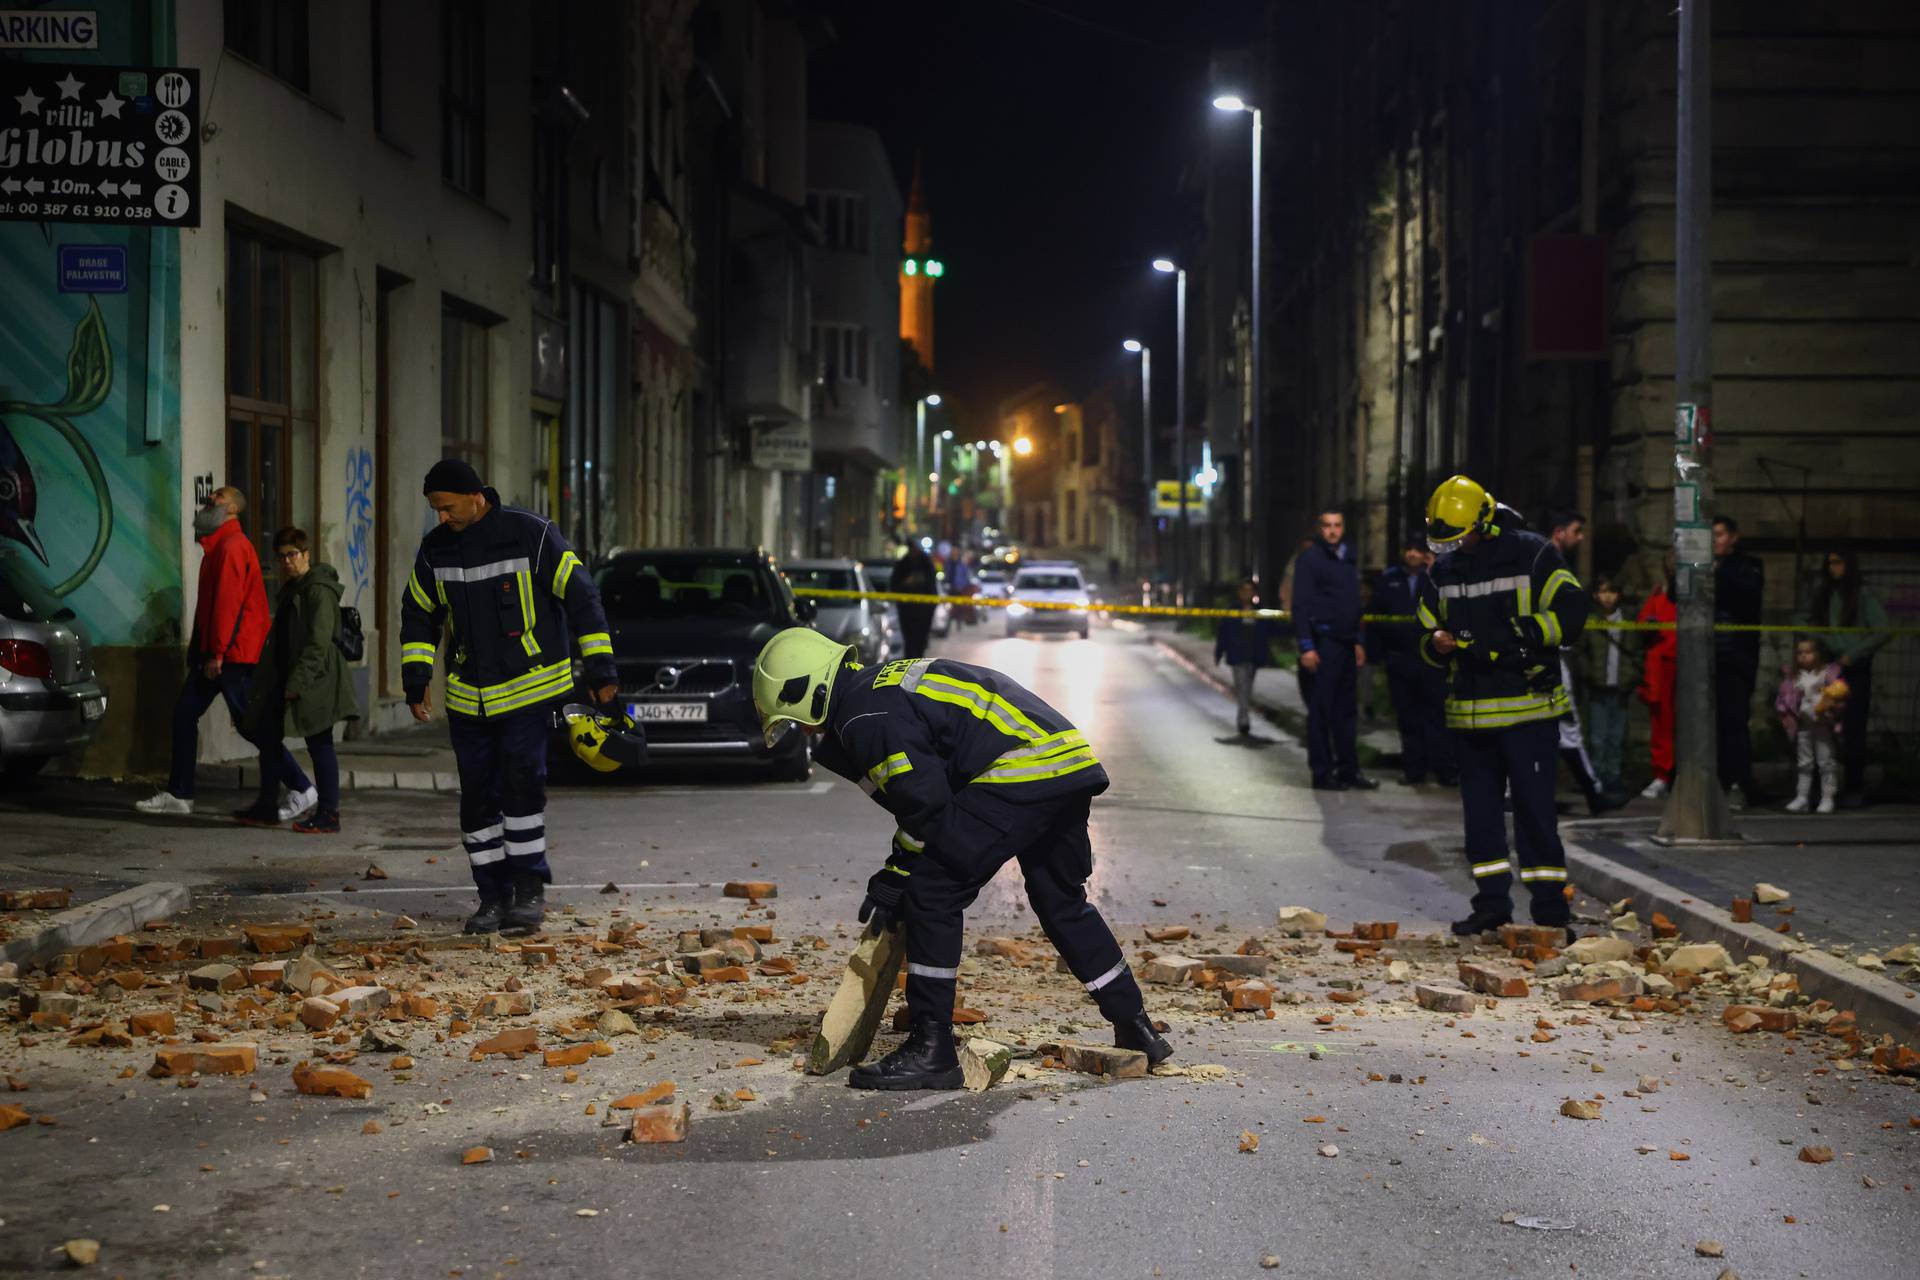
(1017, 611)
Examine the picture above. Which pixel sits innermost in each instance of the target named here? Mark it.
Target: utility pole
(1696, 807)
(1180, 437)
(1257, 500)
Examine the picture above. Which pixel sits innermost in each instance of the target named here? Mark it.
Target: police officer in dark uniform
(509, 590)
(1497, 607)
(1419, 691)
(977, 771)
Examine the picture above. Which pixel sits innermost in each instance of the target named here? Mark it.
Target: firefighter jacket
(1510, 603)
(508, 590)
(917, 735)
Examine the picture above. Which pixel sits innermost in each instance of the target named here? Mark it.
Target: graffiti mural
(359, 519)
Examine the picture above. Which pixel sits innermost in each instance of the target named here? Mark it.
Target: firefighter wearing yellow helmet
(1497, 607)
(978, 772)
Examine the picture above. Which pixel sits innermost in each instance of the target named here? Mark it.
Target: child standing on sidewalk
(1657, 683)
(1246, 643)
(1811, 698)
(1609, 671)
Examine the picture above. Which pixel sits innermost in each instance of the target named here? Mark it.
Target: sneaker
(1798, 804)
(1826, 805)
(257, 815)
(318, 823)
(298, 802)
(164, 802)
(1737, 798)
(1656, 790)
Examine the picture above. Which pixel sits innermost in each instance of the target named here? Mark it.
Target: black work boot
(528, 910)
(1137, 1033)
(487, 919)
(1483, 920)
(926, 1061)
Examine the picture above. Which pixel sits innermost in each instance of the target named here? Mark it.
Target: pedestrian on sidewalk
(1566, 530)
(1660, 671)
(1739, 586)
(1496, 610)
(300, 689)
(1843, 601)
(229, 626)
(1608, 670)
(1245, 644)
(978, 772)
(1326, 619)
(914, 574)
(1418, 689)
(1811, 701)
(514, 593)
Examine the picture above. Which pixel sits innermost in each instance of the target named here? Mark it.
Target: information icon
(171, 202)
(172, 163)
(172, 128)
(173, 90)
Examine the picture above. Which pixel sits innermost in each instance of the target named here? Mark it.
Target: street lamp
(1255, 515)
(1146, 417)
(1023, 446)
(920, 407)
(1167, 266)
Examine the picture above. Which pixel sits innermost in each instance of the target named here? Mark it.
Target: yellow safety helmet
(793, 680)
(1457, 508)
(604, 740)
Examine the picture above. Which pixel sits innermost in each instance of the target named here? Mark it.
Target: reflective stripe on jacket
(509, 590)
(914, 734)
(1510, 603)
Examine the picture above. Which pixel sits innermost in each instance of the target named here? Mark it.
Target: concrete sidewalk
(417, 758)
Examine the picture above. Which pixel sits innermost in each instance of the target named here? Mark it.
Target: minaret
(918, 272)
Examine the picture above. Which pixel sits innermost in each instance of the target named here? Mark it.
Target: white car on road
(1052, 586)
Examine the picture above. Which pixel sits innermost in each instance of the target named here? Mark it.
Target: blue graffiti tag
(359, 519)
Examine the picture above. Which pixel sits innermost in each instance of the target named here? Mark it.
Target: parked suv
(861, 623)
(50, 702)
(686, 626)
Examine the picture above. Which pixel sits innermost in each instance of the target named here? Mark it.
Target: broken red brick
(206, 1059)
(571, 1056)
(477, 1155)
(1443, 999)
(1590, 989)
(213, 948)
(1346, 997)
(128, 979)
(750, 889)
(1765, 1017)
(317, 1013)
(754, 932)
(276, 939)
(645, 1098)
(35, 899)
(1816, 1155)
(152, 1022)
(726, 973)
(1168, 933)
(778, 967)
(1491, 980)
(1898, 1059)
(666, 1122)
(110, 1035)
(330, 1082)
(216, 977)
(1662, 927)
(1248, 994)
(1377, 931)
(1742, 910)
(1104, 1060)
(518, 1040)
(1515, 936)
(1740, 1022)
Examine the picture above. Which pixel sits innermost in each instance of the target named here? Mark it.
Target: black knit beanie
(452, 475)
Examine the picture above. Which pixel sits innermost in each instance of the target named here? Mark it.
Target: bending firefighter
(978, 772)
(508, 591)
(1497, 607)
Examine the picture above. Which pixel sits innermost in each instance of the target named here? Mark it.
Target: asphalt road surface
(1449, 1135)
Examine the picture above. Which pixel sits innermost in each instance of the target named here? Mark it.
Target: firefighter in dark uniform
(509, 592)
(977, 771)
(1496, 608)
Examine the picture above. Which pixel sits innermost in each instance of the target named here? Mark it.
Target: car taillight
(25, 658)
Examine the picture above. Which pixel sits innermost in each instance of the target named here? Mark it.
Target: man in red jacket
(230, 623)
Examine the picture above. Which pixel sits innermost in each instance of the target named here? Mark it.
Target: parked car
(1054, 586)
(880, 578)
(854, 622)
(686, 626)
(50, 701)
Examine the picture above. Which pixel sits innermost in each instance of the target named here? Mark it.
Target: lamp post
(1146, 423)
(1255, 526)
(920, 406)
(1166, 265)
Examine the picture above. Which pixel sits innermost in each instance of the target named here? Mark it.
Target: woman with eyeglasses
(301, 689)
(1843, 601)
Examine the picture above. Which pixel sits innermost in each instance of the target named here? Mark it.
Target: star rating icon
(69, 88)
(29, 102)
(110, 105)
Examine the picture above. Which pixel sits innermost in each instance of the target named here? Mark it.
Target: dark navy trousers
(503, 796)
(1330, 695)
(1522, 759)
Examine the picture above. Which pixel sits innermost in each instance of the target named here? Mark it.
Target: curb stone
(1880, 1004)
(84, 925)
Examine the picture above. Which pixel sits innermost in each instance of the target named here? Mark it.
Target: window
(844, 353)
(463, 388)
(841, 217)
(271, 34)
(272, 391)
(463, 104)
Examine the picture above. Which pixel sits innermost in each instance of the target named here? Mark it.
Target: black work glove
(886, 896)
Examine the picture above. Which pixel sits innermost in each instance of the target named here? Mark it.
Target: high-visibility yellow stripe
(906, 843)
(528, 641)
(417, 651)
(1498, 866)
(564, 573)
(1550, 629)
(418, 592)
(899, 871)
(984, 705)
(1557, 579)
(595, 642)
(1543, 873)
(892, 767)
(540, 693)
(1503, 713)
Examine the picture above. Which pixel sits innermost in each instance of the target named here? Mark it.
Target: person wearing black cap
(508, 592)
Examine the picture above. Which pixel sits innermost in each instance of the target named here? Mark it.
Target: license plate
(677, 711)
(93, 708)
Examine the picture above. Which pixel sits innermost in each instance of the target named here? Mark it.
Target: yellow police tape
(1280, 615)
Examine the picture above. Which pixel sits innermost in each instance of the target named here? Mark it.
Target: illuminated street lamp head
(1164, 265)
(946, 435)
(1230, 102)
(1132, 344)
(934, 399)
(1023, 446)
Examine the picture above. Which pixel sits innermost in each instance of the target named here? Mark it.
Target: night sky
(1053, 136)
